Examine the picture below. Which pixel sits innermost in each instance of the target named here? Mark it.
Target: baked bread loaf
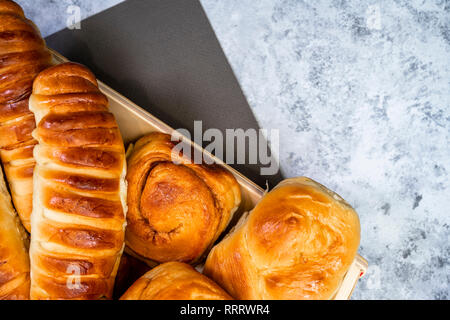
(174, 281)
(23, 55)
(14, 262)
(79, 202)
(176, 211)
(297, 243)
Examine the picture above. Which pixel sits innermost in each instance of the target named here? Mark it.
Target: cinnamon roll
(176, 209)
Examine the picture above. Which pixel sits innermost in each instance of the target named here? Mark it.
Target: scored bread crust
(297, 243)
(79, 202)
(23, 55)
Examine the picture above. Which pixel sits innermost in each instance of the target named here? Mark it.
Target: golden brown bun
(297, 243)
(14, 262)
(174, 281)
(79, 201)
(22, 56)
(176, 212)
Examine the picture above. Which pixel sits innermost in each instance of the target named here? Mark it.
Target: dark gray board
(164, 56)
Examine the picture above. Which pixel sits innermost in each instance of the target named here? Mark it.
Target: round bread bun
(297, 243)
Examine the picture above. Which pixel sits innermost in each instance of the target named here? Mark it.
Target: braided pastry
(22, 56)
(176, 211)
(79, 203)
(297, 243)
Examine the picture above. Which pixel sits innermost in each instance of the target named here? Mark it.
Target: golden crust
(10, 7)
(79, 204)
(23, 55)
(176, 211)
(14, 262)
(174, 281)
(297, 243)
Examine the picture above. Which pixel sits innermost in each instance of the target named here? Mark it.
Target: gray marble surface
(360, 91)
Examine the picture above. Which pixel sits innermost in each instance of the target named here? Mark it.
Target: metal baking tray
(134, 122)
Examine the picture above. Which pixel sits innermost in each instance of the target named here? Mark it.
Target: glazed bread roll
(22, 56)
(14, 262)
(176, 211)
(79, 205)
(174, 281)
(297, 243)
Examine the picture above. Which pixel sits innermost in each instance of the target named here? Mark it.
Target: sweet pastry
(14, 262)
(174, 281)
(23, 55)
(297, 243)
(79, 202)
(177, 208)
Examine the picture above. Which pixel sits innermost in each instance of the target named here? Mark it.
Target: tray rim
(359, 266)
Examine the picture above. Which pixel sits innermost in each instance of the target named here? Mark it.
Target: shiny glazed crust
(174, 281)
(176, 211)
(297, 243)
(23, 55)
(79, 203)
(14, 262)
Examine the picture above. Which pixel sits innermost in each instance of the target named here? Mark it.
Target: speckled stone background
(360, 91)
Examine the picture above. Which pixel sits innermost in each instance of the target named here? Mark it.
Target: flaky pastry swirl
(176, 211)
